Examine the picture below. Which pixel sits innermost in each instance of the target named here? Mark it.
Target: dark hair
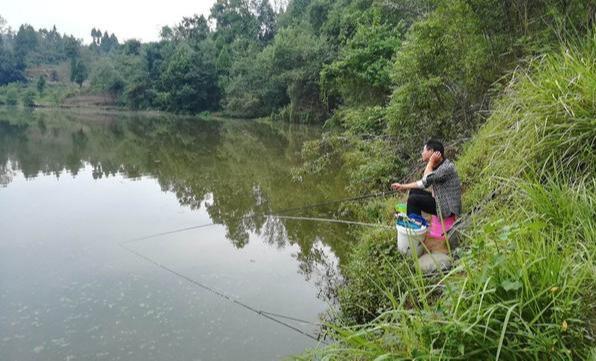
(435, 146)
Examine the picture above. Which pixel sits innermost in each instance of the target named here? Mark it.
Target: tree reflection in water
(239, 171)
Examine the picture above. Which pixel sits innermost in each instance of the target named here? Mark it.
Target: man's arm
(439, 175)
(434, 160)
(402, 187)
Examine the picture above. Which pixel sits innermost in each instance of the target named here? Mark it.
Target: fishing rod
(279, 214)
(336, 201)
(330, 220)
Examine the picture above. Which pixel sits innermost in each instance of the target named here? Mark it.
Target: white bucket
(408, 239)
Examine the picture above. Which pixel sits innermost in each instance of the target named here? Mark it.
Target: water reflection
(73, 185)
(239, 171)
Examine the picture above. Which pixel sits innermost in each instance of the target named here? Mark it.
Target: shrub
(29, 98)
(106, 78)
(11, 96)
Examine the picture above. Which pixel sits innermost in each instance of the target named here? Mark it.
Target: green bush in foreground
(525, 285)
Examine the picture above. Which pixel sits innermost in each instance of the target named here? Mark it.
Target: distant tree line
(396, 62)
(28, 47)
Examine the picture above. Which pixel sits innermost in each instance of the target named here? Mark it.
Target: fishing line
(268, 315)
(292, 318)
(169, 232)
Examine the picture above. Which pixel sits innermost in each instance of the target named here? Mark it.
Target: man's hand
(435, 159)
(397, 187)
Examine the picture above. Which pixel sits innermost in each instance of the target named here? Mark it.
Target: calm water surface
(76, 188)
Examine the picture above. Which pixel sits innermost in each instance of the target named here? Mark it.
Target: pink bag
(436, 229)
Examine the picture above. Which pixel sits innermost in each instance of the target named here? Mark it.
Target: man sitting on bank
(440, 174)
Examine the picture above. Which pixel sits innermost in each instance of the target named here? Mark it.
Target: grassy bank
(523, 286)
(29, 95)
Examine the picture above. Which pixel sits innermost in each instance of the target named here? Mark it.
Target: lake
(130, 236)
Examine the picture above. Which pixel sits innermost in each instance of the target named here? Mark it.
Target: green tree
(190, 80)
(10, 69)
(298, 56)
(11, 96)
(139, 88)
(78, 72)
(441, 73)
(114, 41)
(193, 29)
(41, 84)
(107, 42)
(139, 93)
(132, 47)
(251, 88)
(104, 43)
(266, 19)
(71, 47)
(166, 33)
(233, 20)
(29, 98)
(94, 36)
(154, 57)
(25, 41)
(224, 60)
(361, 74)
(105, 78)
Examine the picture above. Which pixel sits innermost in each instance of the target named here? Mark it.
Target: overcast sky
(139, 19)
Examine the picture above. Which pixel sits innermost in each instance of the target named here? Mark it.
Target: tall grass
(525, 290)
(525, 287)
(544, 123)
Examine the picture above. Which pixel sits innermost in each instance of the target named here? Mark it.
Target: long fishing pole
(279, 214)
(326, 203)
(329, 220)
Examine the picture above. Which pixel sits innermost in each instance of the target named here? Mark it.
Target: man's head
(430, 147)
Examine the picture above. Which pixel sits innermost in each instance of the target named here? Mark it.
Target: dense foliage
(523, 287)
(423, 62)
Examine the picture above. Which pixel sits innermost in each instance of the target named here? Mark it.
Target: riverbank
(523, 284)
(112, 111)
